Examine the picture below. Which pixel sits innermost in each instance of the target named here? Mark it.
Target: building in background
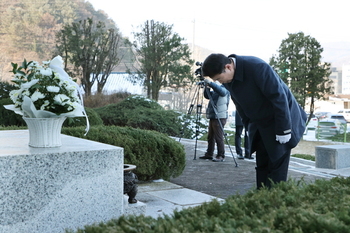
(120, 82)
(336, 77)
(345, 79)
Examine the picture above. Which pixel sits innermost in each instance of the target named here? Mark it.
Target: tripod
(196, 98)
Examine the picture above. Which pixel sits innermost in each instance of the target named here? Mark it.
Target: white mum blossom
(18, 76)
(14, 94)
(37, 95)
(46, 63)
(60, 98)
(34, 65)
(46, 103)
(29, 84)
(46, 72)
(53, 89)
(25, 93)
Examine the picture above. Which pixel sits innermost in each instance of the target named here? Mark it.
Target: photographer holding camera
(219, 98)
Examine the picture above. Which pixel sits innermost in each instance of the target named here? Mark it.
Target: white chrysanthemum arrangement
(45, 91)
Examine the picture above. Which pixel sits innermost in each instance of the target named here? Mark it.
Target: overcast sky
(243, 27)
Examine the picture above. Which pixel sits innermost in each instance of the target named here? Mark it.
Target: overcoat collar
(239, 69)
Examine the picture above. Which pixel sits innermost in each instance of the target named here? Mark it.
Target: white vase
(45, 132)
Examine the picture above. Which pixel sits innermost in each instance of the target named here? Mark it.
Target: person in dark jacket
(238, 139)
(275, 120)
(220, 98)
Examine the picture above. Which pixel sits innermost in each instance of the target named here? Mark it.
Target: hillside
(338, 54)
(28, 28)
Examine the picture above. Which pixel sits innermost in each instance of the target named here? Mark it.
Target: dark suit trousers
(216, 135)
(238, 141)
(268, 172)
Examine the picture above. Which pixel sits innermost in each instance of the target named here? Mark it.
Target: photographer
(220, 98)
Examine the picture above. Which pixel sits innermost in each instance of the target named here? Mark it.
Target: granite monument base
(53, 189)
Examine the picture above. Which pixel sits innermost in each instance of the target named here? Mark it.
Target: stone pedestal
(332, 156)
(53, 189)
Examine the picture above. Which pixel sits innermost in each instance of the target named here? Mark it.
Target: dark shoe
(248, 157)
(206, 157)
(240, 157)
(132, 200)
(218, 159)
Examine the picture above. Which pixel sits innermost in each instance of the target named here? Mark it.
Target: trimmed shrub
(5, 89)
(142, 113)
(155, 154)
(292, 206)
(94, 119)
(8, 117)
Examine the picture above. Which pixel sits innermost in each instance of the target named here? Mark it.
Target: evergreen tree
(299, 66)
(164, 61)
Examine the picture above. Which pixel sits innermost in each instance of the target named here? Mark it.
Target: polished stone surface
(51, 189)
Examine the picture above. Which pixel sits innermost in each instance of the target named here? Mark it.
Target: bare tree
(92, 49)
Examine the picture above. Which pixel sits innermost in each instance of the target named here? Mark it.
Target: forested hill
(28, 28)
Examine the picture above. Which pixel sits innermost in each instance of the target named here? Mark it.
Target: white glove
(283, 138)
(207, 81)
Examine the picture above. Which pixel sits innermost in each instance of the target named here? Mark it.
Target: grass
(304, 156)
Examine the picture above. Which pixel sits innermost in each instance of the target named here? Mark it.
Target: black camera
(198, 71)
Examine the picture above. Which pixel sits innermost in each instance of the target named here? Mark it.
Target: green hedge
(142, 113)
(155, 155)
(93, 116)
(8, 117)
(292, 206)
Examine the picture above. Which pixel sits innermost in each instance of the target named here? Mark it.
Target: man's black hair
(214, 64)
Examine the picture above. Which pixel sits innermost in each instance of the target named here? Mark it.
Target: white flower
(34, 65)
(46, 72)
(46, 103)
(14, 94)
(29, 84)
(45, 88)
(18, 75)
(60, 98)
(46, 63)
(37, 95)
(25, 93)
(53, 89)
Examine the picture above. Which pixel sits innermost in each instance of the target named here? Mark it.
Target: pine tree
(299, 65)
(164, 60)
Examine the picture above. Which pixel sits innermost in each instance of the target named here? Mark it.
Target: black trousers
(238, 141)
(268, 172)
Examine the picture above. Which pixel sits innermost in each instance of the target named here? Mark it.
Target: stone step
(138, 208)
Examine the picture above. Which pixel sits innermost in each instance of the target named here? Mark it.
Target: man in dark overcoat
(276, 122)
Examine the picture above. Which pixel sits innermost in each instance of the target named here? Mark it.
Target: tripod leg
(189, 112)
(199, 112)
